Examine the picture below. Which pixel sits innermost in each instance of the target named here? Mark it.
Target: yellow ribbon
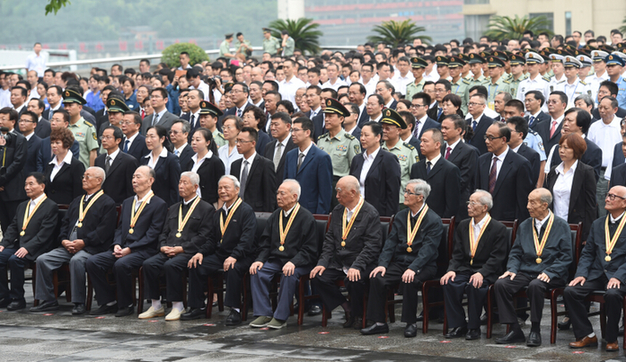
(182, 222)
(134, 216)
(81, 213)
(230, 216)
(411, 232)
(539, 247)
(283, 232)
(473, 240)
(610, 243)
(346, 230)
(28, 216)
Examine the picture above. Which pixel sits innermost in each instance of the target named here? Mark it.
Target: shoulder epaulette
(409, 146)
(322, 136)
(466, 81)
(582, 82)
(89, 124)
(349, 136)
(532, 131)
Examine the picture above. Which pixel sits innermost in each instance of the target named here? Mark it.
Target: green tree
(623, 27)
(397, 32)
(504, 27)
(56, 5)
(172, 52)
(303, 31)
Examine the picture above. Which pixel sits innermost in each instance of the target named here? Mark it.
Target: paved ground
(61, 337)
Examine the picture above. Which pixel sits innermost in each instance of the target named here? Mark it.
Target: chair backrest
(386, 223)
(57, 230)
(576, 231)
(323, 222)
(445, 246)
(511, 227)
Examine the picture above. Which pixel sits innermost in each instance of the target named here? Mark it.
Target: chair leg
(220, 295)
(33, 267)
(489, 312)
(324, 315)
(603, 319)
(426, 310)
(301, 302)
(553, 322)
(89, 294)
(209, 305)
(244, 306)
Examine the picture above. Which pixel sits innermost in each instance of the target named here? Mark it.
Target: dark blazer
(382, 183)
(445, 182)
(432, 111)
(101, 118)
(318, 125)
(357, 133)
(98, 225)
(34, 144)
(67, 184)
(269, 154)
(533, 157)
(618, 155)
(465, 157)
(490, 257)
(315, 176)
(39, 234)
(186, 155)
(138, 148)
(363, 118)
(592, 157)
(210, 172)
(15, 157)
(428, 124)
(260, 188)
(119, 180)
(264, 140)
(238, 240)
(43, 128)
(556, 137)
(618, 176)
(514, 183)
(196, 231)
(592, 264)
(394, 104)
(541, 125)
(165, 184)
(147, 229)
(582, 202)
(45, 153)
(165, 121)
(478, 140)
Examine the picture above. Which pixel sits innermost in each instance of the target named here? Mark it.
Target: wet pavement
(59, 336)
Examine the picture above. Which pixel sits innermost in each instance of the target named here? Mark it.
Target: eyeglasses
(242, 141)
(410, 193)
(491, 138)
(417, 105)
(473, 203)
(472, 104)
(613, 196)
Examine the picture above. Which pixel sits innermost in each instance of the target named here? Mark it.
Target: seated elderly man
(288, 247)
(480, 249)
(87, 229)
(351, 248)
(538, 260)
(409, 257)
(188, 225)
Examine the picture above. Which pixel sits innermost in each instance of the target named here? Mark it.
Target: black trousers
(378, 292)
(210, 266)
(332, 297)
(174, 269)
(453, 298)
(575, 301)
(505, 288)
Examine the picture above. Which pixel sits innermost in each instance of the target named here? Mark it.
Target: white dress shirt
(228, 158)
(153, 161)
(562, 190)
(367, 164)
(57, 165)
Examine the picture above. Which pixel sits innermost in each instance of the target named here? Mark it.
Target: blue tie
(428, 167)
(531, 120)
(439, 113)
(125, 150)
(474, 124)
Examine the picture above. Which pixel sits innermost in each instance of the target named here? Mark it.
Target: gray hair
(352, 183)
(507, 96)
(193, 177)
(545, 196)
(421, 187)
(484, 198)
(100, 171)
(585, 98)
(186, 126)
(232, 178)
(294, 186)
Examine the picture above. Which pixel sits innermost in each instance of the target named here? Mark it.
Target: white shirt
(289, 211)
(152, 161)
(367, 164)
(196, 117)
(528, 84)
(37, 63)
(562, 190)
(130, 140)
(197, 163)
(401, 82)
(478, 226)
(112, 156)
(315, 112)
(338, 83)
(433, 162)
(352, 130)
(500, 161)
(139, 202)
(250, 161)
(419, 124)
(28, 137)
(33, 203)
(205, 90)
(539, 223)
(350, 212)
(558, 122)
(606, 136)
(178, 151)
(5, 98)
(377, 119)
(451, 146)
(57, 166)
(614, 219)
(287, 89)
(190, 201)
(227, 158)
(284, 147)
(370, 87)
(388, 105)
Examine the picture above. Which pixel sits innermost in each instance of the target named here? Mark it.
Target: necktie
(126, 143)
(428, 167)
(531, 120)
(107, 164)
(300, 159)
(416, 131)
(244, 178)
(155, 119)
(474, 124)
(175, 152)
(238, 112)
(143, 114)
(277, 155)
(313, 114)
(192, 121)
(553, 128)
(493, 175)
(448, 150)
(439, 112)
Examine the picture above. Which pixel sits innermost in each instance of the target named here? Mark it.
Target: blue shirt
(131, 102)
(534, 141)
(621, 94)
(94, 101)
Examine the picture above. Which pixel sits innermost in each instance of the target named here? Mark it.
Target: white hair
(484, 198)
(294, 186)
(232, 178)
(100, 172)
(193, 177)
(421, 187)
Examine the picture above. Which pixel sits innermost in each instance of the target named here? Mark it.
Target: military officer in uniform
(534, 81)
(458, 83)
(84, 132)
(573, 85)
(478, 78)
(270, 44)
(517, 75)
(417, 68)
(497, 83)
(209, 114)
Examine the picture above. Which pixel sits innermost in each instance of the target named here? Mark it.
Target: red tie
(552, 129)
(143, 114)
(493, 175)
(448, 152)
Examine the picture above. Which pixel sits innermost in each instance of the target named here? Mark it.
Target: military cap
(230, 35)
(464, 57)
(115, 104)
(620, 54)
(456, 61)
(210, 108)
(501, 55)
(485, 55)
(476, 59)
(517, 59)
(620, 46)
(613, 59)
(417, 62)
(589, 47)
(556, 58)
(333, 106)
(533, 58)
(599, 55)
(442, 60)
(607, 48)
(563, 52)
(495, 62)
(228, 86)
(393, 118)
(267, 30)
(570, 61)
(72, 96)
(584, 60)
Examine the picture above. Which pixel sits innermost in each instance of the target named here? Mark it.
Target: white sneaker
(151, 313)
(174, 315)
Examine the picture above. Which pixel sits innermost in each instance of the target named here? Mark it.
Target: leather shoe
(104, 309)
(123, 312)
(17, 305)
(195, 313)
(4, 302)
(565, 324)
(512, 337)
(472, 334)
(534, 339)
(45, 306)
(234, 318)
(612, 347)
(585, 342)
(375, 329)
(457, 332)
(410, 330)
(314, 310)
(79, 308)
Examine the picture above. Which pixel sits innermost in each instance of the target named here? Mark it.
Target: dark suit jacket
(315, 176)
(510, 195)
(119, 180)
(445, 182)
(318, 125)
(394, 104)
(591, 264)
(39, 234)
(582, 202)
(210, 172)
(45, 153)
(618, 156)
(165, 121)
(363, 118)
(556, 137)
(186, 155)
(238, 240)
(465, 157)
(101, 118)
(382, 183)
(269, 154)
(34, 144)
(165, 184)
(592, 157)
(264, 140)
(357, 133)
(138, 148)
(432, 111)
(428, 124)
(43, 128)
(196, 231)
(541, 125)
(260, 188)
(533, 157)
(618, 176)
(147, 229)
(15, 157)
(67, 183)
(478, 140)
(98, 225)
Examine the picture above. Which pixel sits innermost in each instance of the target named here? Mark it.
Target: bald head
(615, 200)
(349, 183)
(538, 202)
(348, 191)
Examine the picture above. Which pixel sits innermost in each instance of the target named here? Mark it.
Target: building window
(476, 25)
(549, 17)
(568, 22)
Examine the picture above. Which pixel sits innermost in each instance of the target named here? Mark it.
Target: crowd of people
(483, 132)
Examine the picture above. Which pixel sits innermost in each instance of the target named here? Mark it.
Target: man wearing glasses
(118, 166)
(479, 122)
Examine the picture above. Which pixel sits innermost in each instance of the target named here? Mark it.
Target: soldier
(573, 86)
(556, 61)
(517, 73)
(270, 44)
(84, 132)
(209, 113)
(417, 68)
(497, 82)
(458, 83)
(534, 81)
(476, 66)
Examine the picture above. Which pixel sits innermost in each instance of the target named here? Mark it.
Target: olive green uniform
(407, 156)
(87, 138)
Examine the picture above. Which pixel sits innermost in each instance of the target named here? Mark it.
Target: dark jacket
(196, 231)
(382, 183)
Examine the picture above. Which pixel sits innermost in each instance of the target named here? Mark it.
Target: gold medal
(80, 225)
(610, 242)
(28, 215)
(178, 235)
(281, 248)
(134, 214)
(473, 240)
(539, 246)
(411, 232)
(22, 233)
(343, 244)
(182, 222)
(409, 249)
(131, 230)
(538, 260)
(81, 212)
(607, 258)
(345, 229)
(224, 226)
(472, 261)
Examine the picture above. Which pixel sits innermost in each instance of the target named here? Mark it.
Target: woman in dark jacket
(64, 174)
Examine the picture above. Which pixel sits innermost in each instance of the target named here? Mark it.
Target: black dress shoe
(17, 305)
(4, 302)
(123, 312)
(195, 313)
(534, 339)
(234, 318)
(512, 337)
(565, 324)
(46, 306)
(104, 309)
(472, 334)
(314, 310)
(375, 329)
(410, 330)
(79, 308)
(457, 332)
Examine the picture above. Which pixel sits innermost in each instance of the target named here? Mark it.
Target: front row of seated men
(193, 237)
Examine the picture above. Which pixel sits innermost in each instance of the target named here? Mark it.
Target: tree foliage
(55, 6)
(397, 32)
(623, 27)
(172, 52)
(303, 31)
(504, 27)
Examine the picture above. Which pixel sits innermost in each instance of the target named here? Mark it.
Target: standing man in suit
(519, 131)
(118, 166)
(14, 153)
(442, 175)
(160, 117)
(356, 94)
(194, 97)
(374, 108)
(480, 250)
(54, 95)
(87, 229)
(28, 121)
(134, 143)
(479, 122)
(282, 143)
(537, 119)
(316, 114)
(385, 89)
(557, 102)
(239, 97)
(135, 240)
(179, 134)
(42, 125)
(442, 89)
(506, 175)
(255, 173)
(419, 108)
(311, 167)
